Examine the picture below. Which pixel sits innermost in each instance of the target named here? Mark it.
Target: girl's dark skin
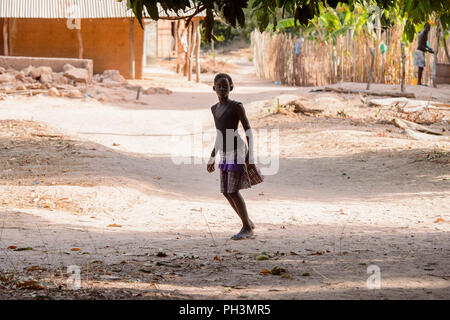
(222, 88)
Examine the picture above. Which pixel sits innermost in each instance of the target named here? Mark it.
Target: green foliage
(361, 13)
(334, 22)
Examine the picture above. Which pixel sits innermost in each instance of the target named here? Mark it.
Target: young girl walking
(237, 168)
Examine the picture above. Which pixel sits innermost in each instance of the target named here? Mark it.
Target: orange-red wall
(106, 41)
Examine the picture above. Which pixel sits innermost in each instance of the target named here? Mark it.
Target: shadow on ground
(125, 265)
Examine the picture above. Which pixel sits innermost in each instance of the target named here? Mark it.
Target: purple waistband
(230, 166)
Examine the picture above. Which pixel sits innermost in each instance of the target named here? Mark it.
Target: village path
(344, 197)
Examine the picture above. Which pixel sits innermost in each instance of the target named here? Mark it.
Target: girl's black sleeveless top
(228, 120)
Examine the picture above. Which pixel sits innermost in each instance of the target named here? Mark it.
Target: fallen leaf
(157, 178)
(318, 253)
(36, 268)
(306, 274)
(172, 265)
(440, 219)
(75, 249)
(277, 270)
(265, 271)
(113, 225)
(286, 276)
(262, 257)
(12, 247)
(24, 249)
(31, 285)
(218, 258)
(145, 270)
(293, 253)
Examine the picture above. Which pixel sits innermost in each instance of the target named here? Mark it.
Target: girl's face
(222, 88)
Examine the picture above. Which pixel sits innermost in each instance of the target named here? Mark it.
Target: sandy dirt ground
(93, 187)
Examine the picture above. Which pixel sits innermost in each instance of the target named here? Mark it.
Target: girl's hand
(210, 167)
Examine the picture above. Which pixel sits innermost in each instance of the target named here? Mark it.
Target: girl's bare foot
(243, 234)
(252, 225)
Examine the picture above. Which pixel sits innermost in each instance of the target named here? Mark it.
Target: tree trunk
(445, 45)
(187, 54)
(197, 52)
(403, 68)
(372, 53)
(436, 51)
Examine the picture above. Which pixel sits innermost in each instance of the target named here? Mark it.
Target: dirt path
(94, 185)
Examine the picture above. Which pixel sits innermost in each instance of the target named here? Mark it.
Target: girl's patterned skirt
(236, 175)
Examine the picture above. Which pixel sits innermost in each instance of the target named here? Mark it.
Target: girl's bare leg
(241, 209)
(231, 201)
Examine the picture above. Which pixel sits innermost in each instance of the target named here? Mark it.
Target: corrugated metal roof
(75, 9)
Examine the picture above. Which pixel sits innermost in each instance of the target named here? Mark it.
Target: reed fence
(316, 63)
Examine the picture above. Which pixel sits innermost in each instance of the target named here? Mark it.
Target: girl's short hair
(224, 76)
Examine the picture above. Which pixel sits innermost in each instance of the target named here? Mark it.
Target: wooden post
(433, 72)
(132, 62)
(402, 87)
(191, 46)
(5, 37)
(213, 52)
(178, 42)
(445, 45)
(175, 47)
(80, 43)
(197, 51)
(372, 53)
(187, 54)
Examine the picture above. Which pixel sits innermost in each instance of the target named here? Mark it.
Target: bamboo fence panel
(319, 64)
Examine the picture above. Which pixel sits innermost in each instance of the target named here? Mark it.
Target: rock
(97, 77)
(27, 71)
(45, 70)
(7, 78)
(37, 73)
(68, 67)
(28, 80)
(59, 79)
(46, 85)
(113, 75)
(157, 91)
(77, 75)
(36, 85)
(46, 78)
(75, 93)
(20, 75)
(20, 87)
(7, 89)
(53, 92)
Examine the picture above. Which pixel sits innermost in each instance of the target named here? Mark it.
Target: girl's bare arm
(248, 132)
